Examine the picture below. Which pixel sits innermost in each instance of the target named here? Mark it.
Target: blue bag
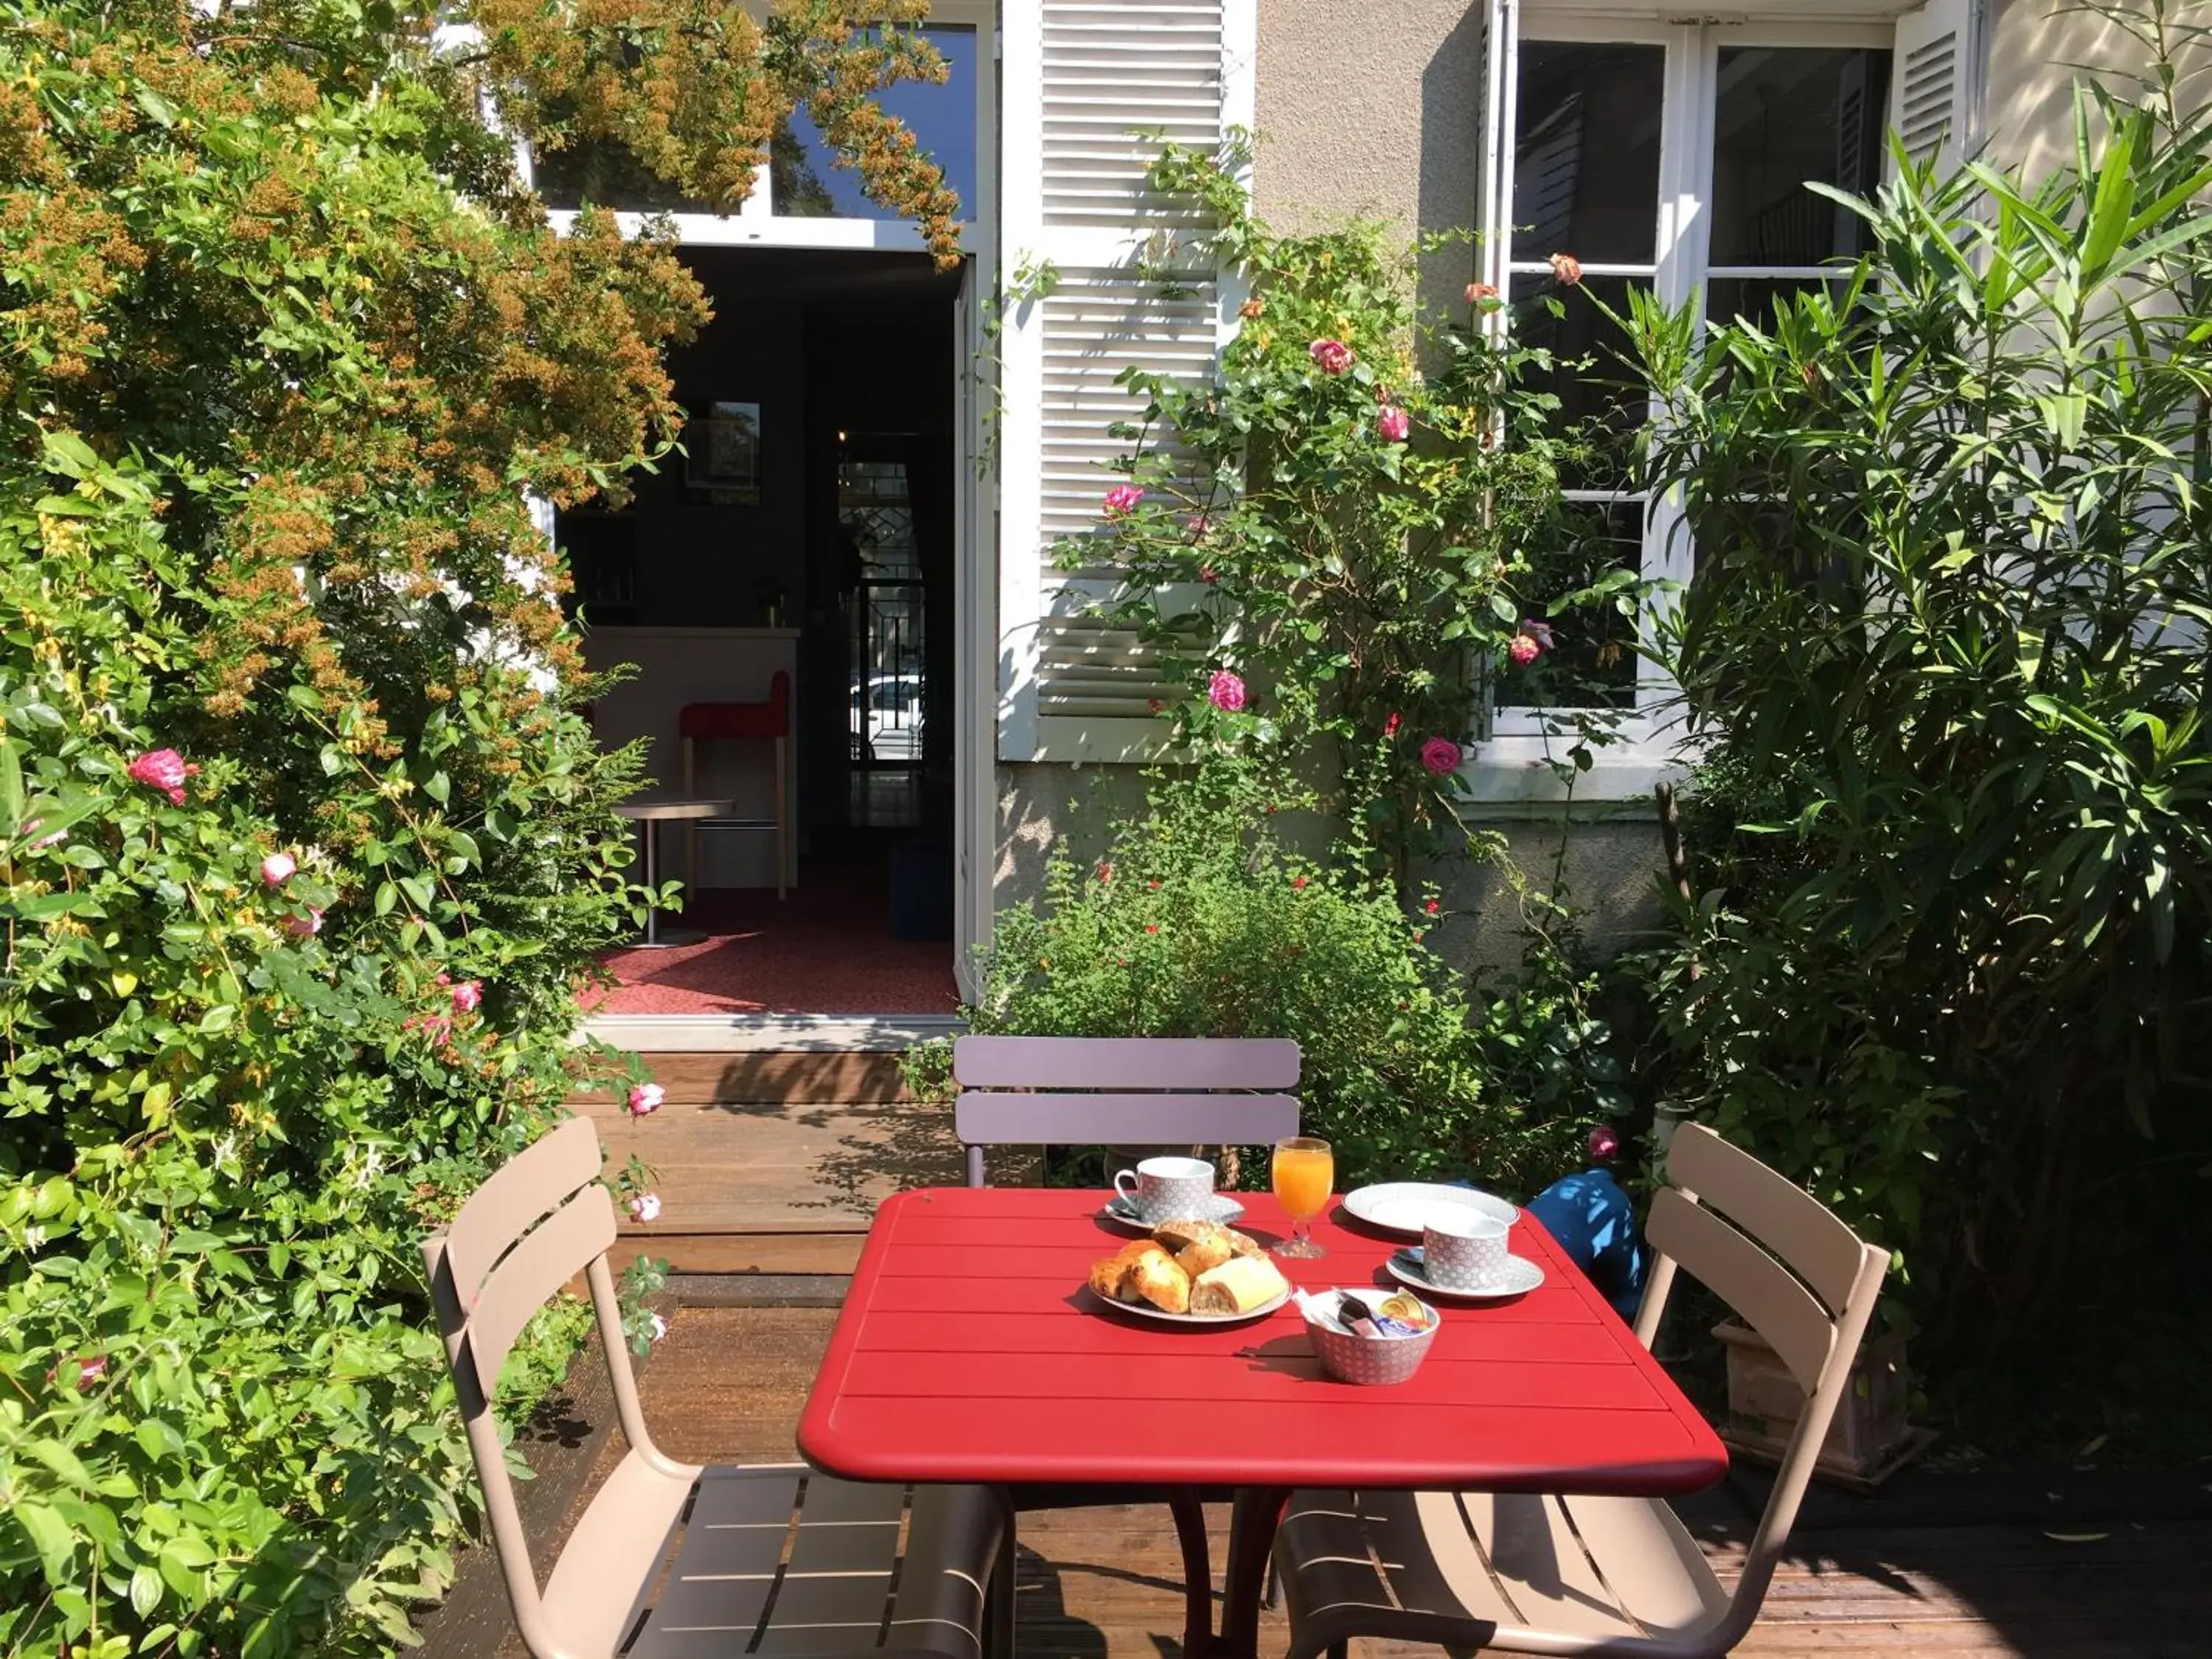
(1595, 1225)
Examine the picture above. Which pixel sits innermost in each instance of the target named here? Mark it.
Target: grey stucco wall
(1371, 111)
(2035, 55)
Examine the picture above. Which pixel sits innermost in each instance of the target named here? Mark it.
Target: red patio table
(969, 1349)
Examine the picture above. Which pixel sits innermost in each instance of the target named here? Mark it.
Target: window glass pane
(1592, 663)
(1785, 115)
(806, 182)
(1754, 298)
(604, 171)
(1601, 401)
(1586, 151)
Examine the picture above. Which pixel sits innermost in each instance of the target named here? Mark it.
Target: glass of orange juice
(1305, 1175)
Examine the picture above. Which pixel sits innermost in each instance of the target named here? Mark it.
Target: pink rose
(90, 1368)
(1334, 355)
(1440, 756)
(646, 1097)
(1390, 727)
(1483, 296)
(1604, 1143)
(305, 927)
(277, 869)
(1567, 268)
(163, 769)
(38, 842)
(439, 1028)
(646, 1206)
(468, 997)
(1199, 524)
(1523, 650)
(1226, 691)
(1121, 500)
(1209, 575)
(1392, 423)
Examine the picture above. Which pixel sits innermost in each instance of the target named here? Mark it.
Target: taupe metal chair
(1546, 1574)
(1122, 1091)
(671, 1560)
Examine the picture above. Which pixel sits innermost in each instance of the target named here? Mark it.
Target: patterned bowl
(1380, 1360)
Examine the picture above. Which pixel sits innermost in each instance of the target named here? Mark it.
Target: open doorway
(785, 590)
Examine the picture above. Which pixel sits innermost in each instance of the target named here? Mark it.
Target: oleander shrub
(1945, 661)
(305, 843)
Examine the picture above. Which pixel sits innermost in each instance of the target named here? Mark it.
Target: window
(1674, 157)
(802, 197)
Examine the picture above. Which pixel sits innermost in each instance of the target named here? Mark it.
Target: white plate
(1220, 1208)
(1146, 1310)
(1521, 1276)
(1405, 1207)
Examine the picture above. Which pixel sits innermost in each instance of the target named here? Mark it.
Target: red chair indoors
(733, 722)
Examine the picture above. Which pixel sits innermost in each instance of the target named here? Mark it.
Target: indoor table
(650, 814)
(969, 1349)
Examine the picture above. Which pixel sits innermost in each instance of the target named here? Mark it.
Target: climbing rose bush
(1349, 521)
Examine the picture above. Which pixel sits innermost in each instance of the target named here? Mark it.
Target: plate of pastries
(1191, 1273)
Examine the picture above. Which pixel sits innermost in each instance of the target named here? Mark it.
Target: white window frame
(1518, 762)
(755, 223)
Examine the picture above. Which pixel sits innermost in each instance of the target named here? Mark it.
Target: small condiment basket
(1351, 1358)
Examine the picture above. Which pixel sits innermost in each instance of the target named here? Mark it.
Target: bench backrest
(1122, 1092)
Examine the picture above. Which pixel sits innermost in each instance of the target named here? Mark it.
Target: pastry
(1202, 1255)
(1237, 1287)
(1154, 1276)
(1179, 1235)
(1109, 1274)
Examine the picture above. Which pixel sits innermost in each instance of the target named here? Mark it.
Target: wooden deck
(773, 1162)
(727, 1385)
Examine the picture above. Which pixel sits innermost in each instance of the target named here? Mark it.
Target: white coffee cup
(1463, 1251)
(1168, 1188)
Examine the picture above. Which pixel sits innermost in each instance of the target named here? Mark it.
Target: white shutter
(1090, 87)
(1934, 81)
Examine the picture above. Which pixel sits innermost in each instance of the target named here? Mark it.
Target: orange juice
(1305, 1174)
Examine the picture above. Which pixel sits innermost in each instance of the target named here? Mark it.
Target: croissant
(1109, 1274)
(1154, 1276)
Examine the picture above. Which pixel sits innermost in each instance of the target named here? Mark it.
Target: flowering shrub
(304, 840)
(1196, 920)
(1349, 522)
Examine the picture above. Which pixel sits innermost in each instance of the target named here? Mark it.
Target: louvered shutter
(1090, 88)
(1934, 89)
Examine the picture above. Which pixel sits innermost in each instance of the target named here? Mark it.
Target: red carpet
(826, 950)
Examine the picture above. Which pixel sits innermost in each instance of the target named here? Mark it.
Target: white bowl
(1377, 1360)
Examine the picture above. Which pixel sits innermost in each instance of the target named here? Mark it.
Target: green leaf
(11, 788)
(49, 1535)
(62, 1462)
(145, 1590)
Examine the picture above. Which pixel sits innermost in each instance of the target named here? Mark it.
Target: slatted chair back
(1793, 1272)
(1122, 1092)
(541, 1220)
